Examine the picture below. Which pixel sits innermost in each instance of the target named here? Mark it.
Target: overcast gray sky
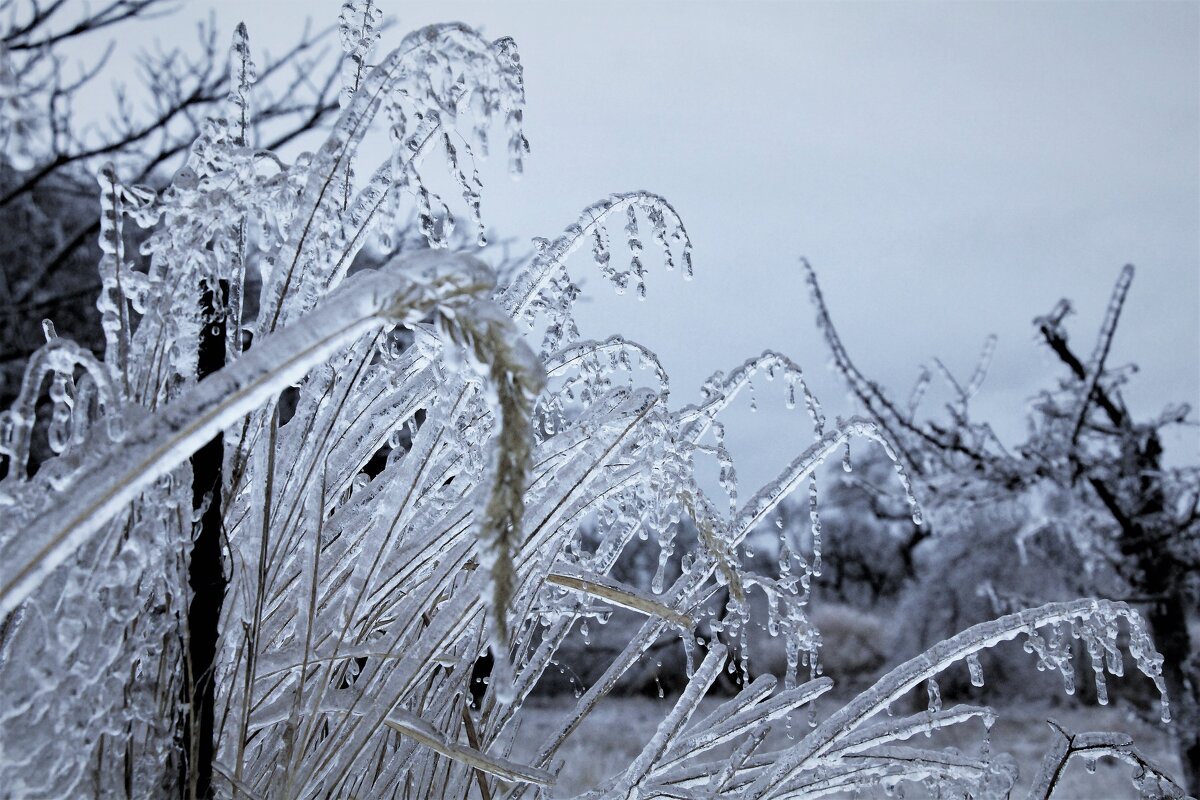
(951, 170)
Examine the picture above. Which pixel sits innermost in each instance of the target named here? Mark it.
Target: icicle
(436, 231)
(470, 187)
(689, 650)
(657, 582)
(1095, 651)
(935, 696)
(815, 519)
(989, 721)
(635, 250)
(658, 223)
(600, 251)
(976, 669)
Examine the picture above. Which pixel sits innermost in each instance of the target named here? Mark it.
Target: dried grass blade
(421, 731)
(620, 595)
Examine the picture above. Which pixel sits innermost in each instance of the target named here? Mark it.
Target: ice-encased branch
(319, 204)
(1095, 366)
(521, 295)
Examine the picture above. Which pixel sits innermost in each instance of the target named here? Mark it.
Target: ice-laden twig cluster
(403, 487)
(960, 460)
(1148, 779)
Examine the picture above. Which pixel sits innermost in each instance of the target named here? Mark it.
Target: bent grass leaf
(624, 596)
(424, 733)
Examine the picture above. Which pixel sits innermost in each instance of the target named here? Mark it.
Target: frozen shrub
(855, 644)
(967, 577)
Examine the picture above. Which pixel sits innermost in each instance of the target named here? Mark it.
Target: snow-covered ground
(615, 733)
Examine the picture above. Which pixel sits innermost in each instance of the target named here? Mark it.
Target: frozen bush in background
(855, 644)
(271, 570)
(964, 576)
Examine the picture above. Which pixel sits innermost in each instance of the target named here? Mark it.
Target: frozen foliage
(383, 481)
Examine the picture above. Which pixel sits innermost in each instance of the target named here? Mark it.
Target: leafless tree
(1093, 472)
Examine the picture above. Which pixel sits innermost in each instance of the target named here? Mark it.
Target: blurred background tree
(1085, 506)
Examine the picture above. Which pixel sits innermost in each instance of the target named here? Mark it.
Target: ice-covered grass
(616, 732)
(272, 571)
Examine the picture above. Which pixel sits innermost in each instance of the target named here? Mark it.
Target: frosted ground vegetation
(405, 460)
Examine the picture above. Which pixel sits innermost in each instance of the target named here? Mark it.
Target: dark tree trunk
(1168, 625)
(1156, 573)
(1150, 567)
(1167, 619)
(205, 574)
